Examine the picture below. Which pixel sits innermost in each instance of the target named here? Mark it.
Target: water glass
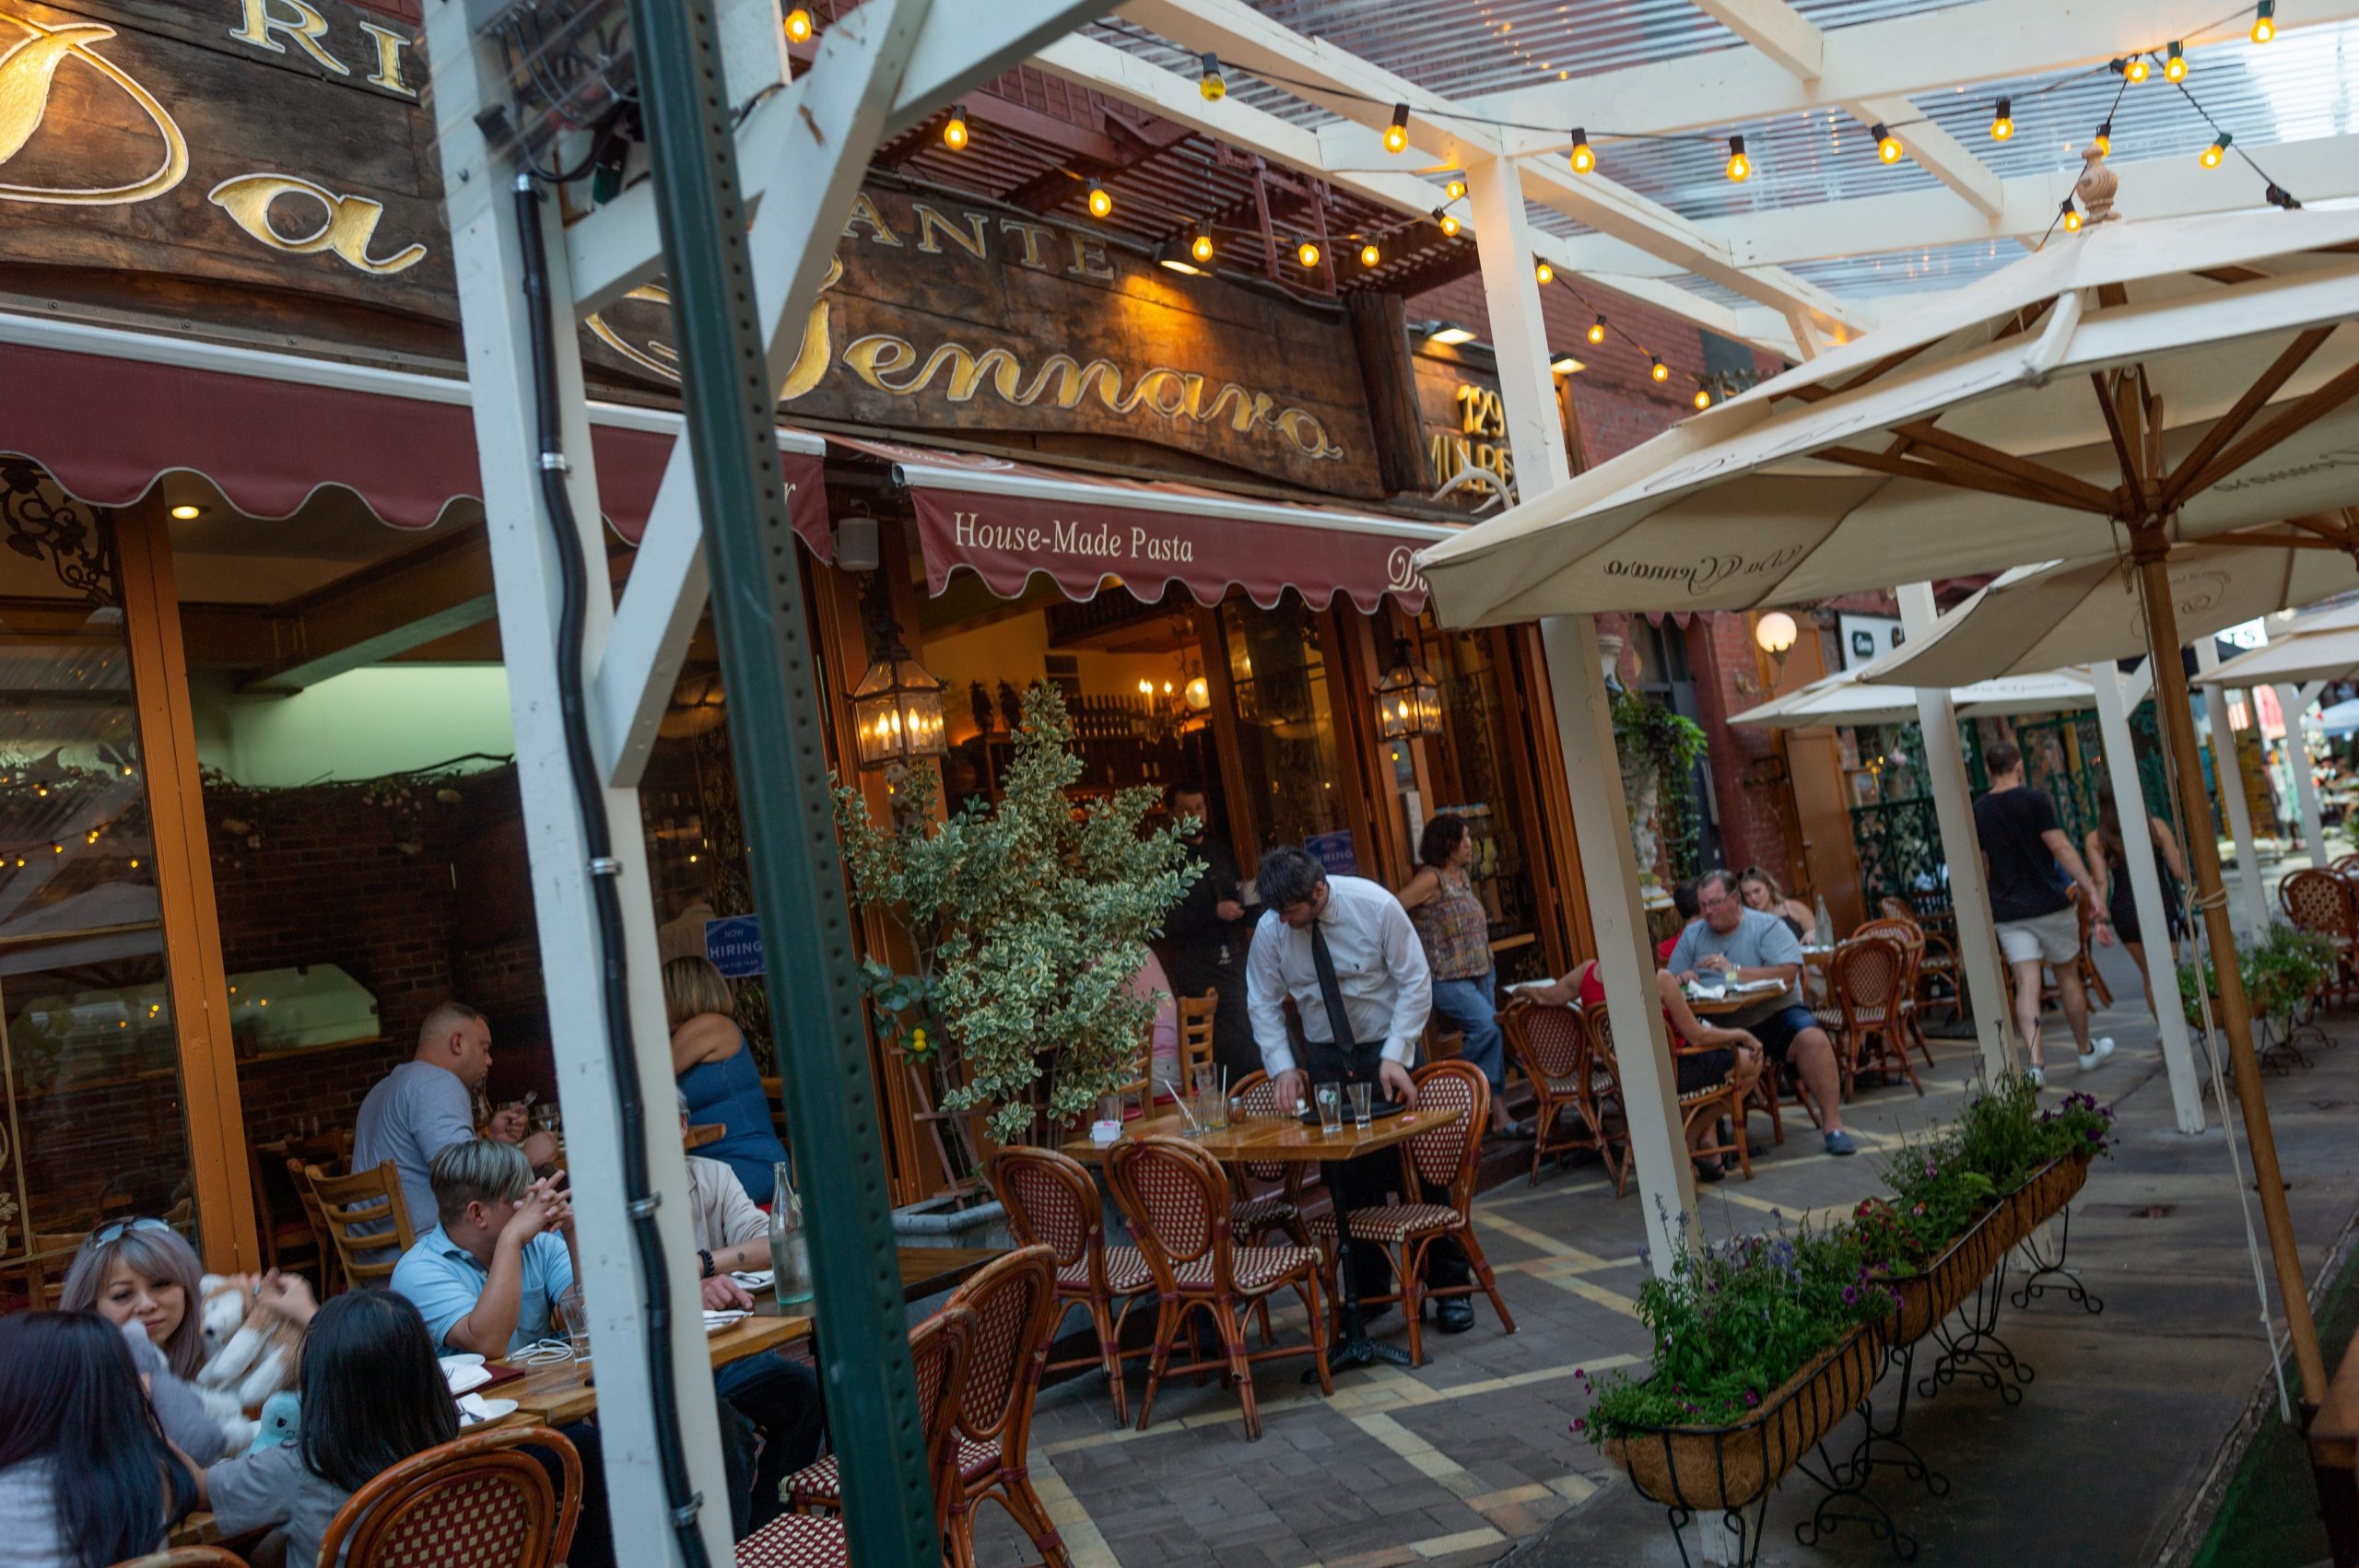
(546, 1117)
(1359, 1093)
(1329, 1097)
(1212, 1101)
(576, 1322)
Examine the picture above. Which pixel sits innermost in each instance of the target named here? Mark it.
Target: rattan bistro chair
(186, 1557)
(1052, 1200)
(478, 1500)
(1269, 1192)
(1178, 1200)
(364, 1199)
(1868, 979)
(2327, 904)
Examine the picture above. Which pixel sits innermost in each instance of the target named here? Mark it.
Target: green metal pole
(766, 661)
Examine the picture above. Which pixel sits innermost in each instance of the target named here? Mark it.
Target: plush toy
(251, 1353)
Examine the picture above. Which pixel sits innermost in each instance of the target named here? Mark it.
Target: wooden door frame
(195, 973)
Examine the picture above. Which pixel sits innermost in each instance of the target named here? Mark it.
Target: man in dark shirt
(2022, 845)
(1202, 948)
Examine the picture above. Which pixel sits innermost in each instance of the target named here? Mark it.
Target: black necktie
(1339, 1023)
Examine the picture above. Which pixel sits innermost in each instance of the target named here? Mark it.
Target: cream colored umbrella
(2294, 661)
(1855, 697)
(2132, 388)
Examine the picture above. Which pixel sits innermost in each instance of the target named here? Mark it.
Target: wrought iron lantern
(896, 707)
(1408, 703)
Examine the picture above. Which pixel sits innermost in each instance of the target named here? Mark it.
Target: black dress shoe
(1454, 1316)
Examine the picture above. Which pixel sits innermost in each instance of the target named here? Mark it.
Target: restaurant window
(95, 1123)
(1286, 742)
(1666, 676)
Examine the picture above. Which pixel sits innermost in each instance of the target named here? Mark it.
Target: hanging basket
(1697, 1468)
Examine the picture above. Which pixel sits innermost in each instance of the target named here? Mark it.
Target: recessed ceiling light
(186, 511)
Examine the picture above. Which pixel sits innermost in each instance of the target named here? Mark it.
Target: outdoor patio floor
(1468, 1459)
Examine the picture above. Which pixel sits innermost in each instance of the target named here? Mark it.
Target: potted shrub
(2281, 973)
(1027, 922)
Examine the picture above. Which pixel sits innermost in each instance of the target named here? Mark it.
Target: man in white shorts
(2022, 845)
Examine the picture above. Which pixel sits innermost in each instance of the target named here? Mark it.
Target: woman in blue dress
(717, 1073)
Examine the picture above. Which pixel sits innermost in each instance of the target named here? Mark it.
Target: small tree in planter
(1027, 922)
(2281, 973)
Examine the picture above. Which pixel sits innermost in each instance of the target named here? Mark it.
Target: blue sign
(734, 945)
(1335, 851)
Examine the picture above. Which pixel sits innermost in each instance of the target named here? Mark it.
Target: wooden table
(562, 1393)
(1744, 1001)
(1287, 1139)
(928, 1271)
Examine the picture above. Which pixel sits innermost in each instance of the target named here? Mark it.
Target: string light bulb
(2217, 151)
(1597, 330)
(1369, 254)
(954, 130)
(2103, 141)
(1201, 247)
(1101, 201)
(1657, 369)
(1887, 144)
(798, 26)
(1740, 166)
(2072, 216)
(2175, 63)
(1545, 274)
(1584, 157)
(1213, 81)
(2135, 69)
(1396, 136)
(1307, 253)
(1703, 396)
(2002, 123)
(2264, 21)
(1455, 187)
(1449, 224)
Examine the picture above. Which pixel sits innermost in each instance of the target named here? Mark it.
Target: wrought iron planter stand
(2046, 1265)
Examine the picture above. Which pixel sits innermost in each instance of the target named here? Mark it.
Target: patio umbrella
(1857, 697)
(2297, 659)
(2136, 387)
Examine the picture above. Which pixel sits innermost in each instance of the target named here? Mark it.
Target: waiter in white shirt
(1344, 949)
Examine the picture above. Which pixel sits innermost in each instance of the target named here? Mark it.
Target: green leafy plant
(2280, 972)
(1664, 748)
(1027, 922)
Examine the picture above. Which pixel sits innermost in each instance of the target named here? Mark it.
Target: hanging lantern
(896, 707)
(1408, 703)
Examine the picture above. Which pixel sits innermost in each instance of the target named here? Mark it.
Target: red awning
(108, 413)
(1006, 520)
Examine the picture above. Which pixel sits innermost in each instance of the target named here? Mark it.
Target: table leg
(1352, 1347)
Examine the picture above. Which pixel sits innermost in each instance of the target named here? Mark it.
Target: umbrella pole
(2151, 551)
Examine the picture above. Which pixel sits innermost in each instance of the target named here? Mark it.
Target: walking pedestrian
(2022, 847)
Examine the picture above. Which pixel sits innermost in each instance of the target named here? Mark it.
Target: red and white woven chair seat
(1253, 1215)
(1705, 1092)
(1830, 1019)
(1258, 1270)
(820, 1482)
(1126, 1273)
(796, 1540)
(1391, 1223)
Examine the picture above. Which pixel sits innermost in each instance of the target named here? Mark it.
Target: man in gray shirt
(1749, 944)
(427, 1104)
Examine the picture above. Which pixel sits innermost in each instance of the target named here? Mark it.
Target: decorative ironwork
(2064, 756)
(2047, 1263)
(76, 541)
(1899, 846)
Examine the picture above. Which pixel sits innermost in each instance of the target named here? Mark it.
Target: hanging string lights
(1201, 247)
(2003, 120)
(1211, 80)
(2264, 21)
(798, 26)
(2134, 69)
(1888, 145)
(1455, 187)
(1739, 167)
(1584, 157)
(2217, 151)
(1597, 330)
(1396, 136)
(1545, 274)
(2175, 63)
(2102, 141)
(2071, 215)
(1101, 201)
(1369, 254)
(1307, 253)
(954, 130)
(1657, 369)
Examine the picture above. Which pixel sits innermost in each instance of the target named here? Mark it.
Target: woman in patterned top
(1455, 928)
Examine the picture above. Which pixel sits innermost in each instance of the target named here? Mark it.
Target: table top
(1722, 1007)
(928, 1271)
(560, 1394)
(1280, 1138)
(702, 1133)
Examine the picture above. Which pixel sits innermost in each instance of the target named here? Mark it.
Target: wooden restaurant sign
(265, 166)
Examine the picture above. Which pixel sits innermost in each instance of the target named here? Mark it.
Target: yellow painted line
(1084, 1541)
(1511, 1497)
(1542, 1241)
(1464, 1540)
(1574, 1488)
(1806, 1216)
(1421, 1456)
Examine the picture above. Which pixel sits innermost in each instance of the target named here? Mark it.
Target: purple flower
(1751, 1397)
(1579, 1425)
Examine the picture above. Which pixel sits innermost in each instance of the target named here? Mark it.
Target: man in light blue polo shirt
(485, 1277)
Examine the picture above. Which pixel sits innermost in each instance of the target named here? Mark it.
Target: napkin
(472, 1410)
(754, 1279)
(714, 1322)
(463, 1378)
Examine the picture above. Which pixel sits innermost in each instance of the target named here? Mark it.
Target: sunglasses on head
(116, 1231)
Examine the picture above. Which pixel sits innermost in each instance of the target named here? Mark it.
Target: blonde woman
(1760, 891)
(717, 1073)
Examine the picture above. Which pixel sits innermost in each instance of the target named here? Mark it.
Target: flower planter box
(1927, 1297)
(1697, 1468)
(2042, 1196)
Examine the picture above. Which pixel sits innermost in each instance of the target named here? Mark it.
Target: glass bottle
(1825, 933)
(790, 1244)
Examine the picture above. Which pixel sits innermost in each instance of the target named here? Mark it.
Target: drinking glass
(1236, 1112)
(1212, 1100)
(1331, 1107)
(576, 1322)
(545, 1116)
(1360, 1104)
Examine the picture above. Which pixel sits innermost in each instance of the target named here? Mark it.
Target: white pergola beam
(1781, 34)
(1129, 79)
(1935, 150)
(1962, 45)
(2322, 168)
(1363, 94)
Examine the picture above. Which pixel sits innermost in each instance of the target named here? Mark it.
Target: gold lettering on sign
(27, 71)
(811, 362)
(347, 226)
(1172, 394)
(1089, 258)
(387, 73)
(305, 26)
(1033, 234)
(932, 222)
(865, 211)
(1481, 411)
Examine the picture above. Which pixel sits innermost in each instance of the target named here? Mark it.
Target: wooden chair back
(351, 1207)
(1178, 1201)
(1447, 1158)
(1546, 1041)
(476, 1501)
(1014, 1299)
(331, 1266)
(2344, 865)
(1196, 1015)
(1051, 1201)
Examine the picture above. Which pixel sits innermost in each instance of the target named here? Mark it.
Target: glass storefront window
(1285, 728)
(95, 1123)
